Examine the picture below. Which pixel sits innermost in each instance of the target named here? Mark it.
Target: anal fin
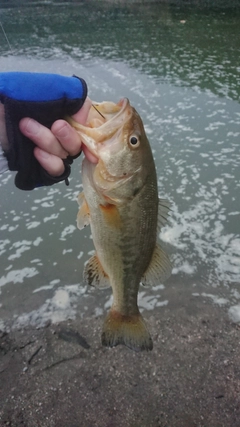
(159, 269)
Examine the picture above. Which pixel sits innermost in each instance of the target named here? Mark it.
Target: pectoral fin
(94, 274)
(83, 216)
(159, 269)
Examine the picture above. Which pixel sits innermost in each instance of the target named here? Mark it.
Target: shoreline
(61, 376)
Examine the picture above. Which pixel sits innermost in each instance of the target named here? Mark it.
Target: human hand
(41, 100)
(52, 146)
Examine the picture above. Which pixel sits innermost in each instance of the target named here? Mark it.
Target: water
(180, 69)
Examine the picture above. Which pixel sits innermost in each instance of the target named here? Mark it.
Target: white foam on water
(47, 204)
(147, 302)
(51, 217)
(4, 227)
(108, 303)
(67, 230)
(37, 241)
(234, 313)
(55, 282)
(200, 238)
(5, 178)
(80, 255)
(33, 224)
(3, 327)
(3, 244)
(60, 307)
(185, 267)
(47, 287)
(18, 276)
(43, 200)
(216, 300)
(13, 228)
(66, 251)
(19, 251)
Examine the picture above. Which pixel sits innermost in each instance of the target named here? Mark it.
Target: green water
(180, 68)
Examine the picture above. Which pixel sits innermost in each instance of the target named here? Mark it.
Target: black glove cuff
(50, 180)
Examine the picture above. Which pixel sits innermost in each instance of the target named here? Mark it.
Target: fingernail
(32, 126)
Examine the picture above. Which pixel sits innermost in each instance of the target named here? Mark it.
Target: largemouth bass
(120, 202)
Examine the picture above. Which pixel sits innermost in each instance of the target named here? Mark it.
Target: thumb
(81, 115)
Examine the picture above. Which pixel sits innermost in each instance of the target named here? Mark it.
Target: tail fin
(128, 330)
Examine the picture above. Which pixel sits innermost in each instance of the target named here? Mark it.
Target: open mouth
(103, 121)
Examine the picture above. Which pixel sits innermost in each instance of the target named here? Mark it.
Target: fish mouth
(104, 121)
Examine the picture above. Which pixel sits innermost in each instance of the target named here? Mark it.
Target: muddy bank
(61, 376)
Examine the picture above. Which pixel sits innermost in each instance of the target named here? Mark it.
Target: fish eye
(134, 141)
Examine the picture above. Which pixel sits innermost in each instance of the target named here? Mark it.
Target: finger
(81, 115)
(89, 155)
(51, 163)
(67, 136)
(42, 137)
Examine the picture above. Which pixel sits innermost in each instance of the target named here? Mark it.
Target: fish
(120, 203)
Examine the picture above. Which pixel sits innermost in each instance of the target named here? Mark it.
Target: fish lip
(123, 103)
(104, 129)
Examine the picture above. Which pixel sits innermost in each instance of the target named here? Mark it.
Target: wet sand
(61, 376)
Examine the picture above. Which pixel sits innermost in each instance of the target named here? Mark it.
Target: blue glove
(45, 98)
